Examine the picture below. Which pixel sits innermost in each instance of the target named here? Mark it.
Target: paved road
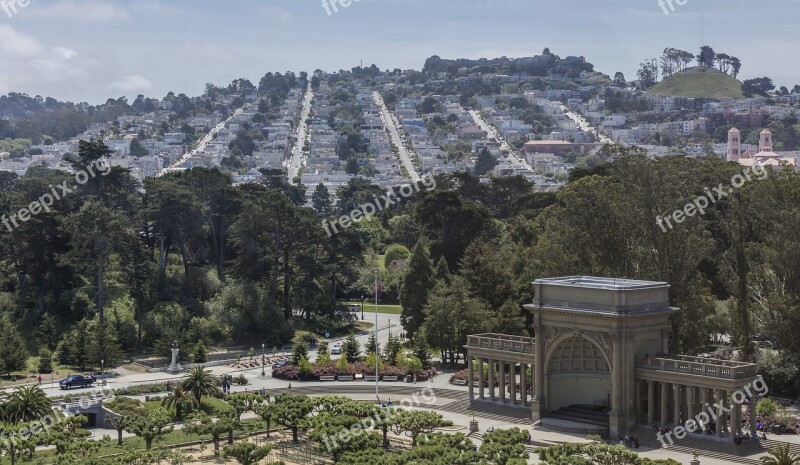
(201, 146)
(585, 126)
(392, 124)
(298, 157)
(386, 323)
(493, 133)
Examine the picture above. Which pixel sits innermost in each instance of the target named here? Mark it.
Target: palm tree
(180, 399)
(28, 404)
(200, 382)
(781, 455)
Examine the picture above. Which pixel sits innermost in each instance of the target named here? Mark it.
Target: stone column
(491, 379)
(651, 400)
(690, 404)
(523, 369)
(480, 379)
(664, 403)
(734, 420)
(512, 369)
(537, 399)
(617, 381)
(718, 412)
(470, 376)
(725, 415)
(501, 372)
(677, 412)
(753, 416)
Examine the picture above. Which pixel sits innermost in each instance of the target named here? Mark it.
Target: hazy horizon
(92, 50)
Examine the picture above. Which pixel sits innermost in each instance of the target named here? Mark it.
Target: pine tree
(13, 356)
(391, 349)
(299, 351)
(200, 353)
(372, 344)
(421, 349)
(45, 361)
(104, 345)
(485, 163)
(351, 348)
(417, 283)
(321, 201)
(442, 272)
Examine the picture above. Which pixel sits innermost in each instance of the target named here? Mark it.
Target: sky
(92, 50)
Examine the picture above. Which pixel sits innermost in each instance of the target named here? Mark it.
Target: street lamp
(102, 367)
(363, 298)
(263, 354)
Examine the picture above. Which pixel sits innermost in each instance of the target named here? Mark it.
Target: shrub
(766, 407)
(342, 367)
(287, 372)
(304, 366)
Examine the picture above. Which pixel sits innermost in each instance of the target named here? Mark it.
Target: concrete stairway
(505, 413)
(581, 414)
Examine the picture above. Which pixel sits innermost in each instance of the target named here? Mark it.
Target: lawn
(370, 308)
(208, 405)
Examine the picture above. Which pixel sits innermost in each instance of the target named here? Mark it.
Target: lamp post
(263, 355)
(362, 307)
(102, 370)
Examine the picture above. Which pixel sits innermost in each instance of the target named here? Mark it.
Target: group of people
(227, 380)
(631, 441)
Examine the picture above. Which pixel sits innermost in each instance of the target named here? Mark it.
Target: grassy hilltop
(699, 82)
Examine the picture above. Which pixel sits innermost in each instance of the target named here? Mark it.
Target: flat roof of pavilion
(594, 282)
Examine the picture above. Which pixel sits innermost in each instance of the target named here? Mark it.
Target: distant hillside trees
(648, 74)
(759, 86)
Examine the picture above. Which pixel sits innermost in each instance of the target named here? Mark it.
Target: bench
(327, 378)
(346, 378)
(390, 378)
(370, 378)
(359, 376)
(459, 382)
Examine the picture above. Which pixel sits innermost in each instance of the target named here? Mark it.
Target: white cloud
(17, 45)
(82, 11)
(132, 83)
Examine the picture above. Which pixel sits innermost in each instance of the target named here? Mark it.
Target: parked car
(336, 349)
(76, 381)
(279, 364)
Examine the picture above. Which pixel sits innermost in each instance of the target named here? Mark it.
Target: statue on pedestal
(175, 366)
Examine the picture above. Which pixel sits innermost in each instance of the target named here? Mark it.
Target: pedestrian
(636, 441)
(415, 379)
(39, 379)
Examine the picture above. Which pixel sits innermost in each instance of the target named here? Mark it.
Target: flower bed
(292, 372)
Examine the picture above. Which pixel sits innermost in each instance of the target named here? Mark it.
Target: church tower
(734, 144)
(765, 145)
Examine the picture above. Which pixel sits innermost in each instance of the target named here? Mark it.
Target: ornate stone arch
(556, 336)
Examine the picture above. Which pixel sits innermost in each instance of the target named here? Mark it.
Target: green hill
(699, 82)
